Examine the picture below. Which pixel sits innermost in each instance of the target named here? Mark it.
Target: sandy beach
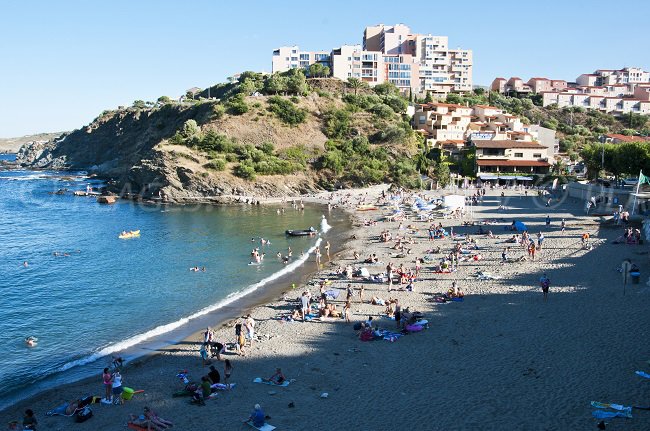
(502, 359)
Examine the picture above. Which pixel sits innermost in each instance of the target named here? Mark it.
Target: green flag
(643, 179)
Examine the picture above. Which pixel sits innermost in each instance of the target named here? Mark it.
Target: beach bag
(84, 415)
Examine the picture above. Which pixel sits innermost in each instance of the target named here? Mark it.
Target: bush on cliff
(286, 111)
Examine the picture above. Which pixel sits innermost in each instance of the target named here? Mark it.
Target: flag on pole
(643, 179)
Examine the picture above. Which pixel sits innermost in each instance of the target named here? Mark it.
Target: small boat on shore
(130, 234)
(304, 232)
(367, 208)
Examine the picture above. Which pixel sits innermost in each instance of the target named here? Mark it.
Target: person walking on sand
(398, 313)
(249, 324)
(531, 250)
(389, 273)
(563, 225)
(540, 240)
(227, 371)
(548, 220)
(304, 302)
(317, 257)
(361, 289)
(327, 250)
(545, 283)
(346, 312)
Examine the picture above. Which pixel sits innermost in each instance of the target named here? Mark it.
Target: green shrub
(218, 111)
(245, 170)
(231, 157)
(286, 111)
(382, 111)
(338, 124)
(237, 105)
(217, 165)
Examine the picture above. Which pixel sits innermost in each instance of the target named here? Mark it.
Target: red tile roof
(517, 163)
(625, 138)
(506, 144)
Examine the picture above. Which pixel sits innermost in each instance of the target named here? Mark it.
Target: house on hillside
(511, 157)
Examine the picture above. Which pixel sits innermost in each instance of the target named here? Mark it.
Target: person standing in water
(327, 250)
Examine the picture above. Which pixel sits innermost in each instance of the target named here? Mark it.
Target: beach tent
(520, 226)
(453, 202)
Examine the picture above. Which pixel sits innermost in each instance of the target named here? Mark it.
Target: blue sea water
(108, 295)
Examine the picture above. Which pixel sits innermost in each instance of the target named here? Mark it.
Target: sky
(64, 62)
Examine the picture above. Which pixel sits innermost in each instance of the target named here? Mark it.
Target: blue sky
(63, 62)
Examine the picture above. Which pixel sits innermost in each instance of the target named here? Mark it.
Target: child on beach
(545, 283)
(108, 385)
(227, 371)
(346, 311)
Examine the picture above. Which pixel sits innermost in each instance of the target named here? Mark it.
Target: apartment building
(291, 57)
(512, 157)
(614, 91)
(413, 62)
(601, 77)
(444, 124)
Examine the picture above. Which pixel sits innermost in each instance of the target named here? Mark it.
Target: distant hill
(11, 145)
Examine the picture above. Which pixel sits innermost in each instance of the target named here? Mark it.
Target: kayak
(132, 234)
(303, 232)
(366, 208)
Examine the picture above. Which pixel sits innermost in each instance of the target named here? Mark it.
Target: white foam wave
(163, 329)
(324, 226)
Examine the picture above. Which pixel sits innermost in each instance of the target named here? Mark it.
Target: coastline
(185, 333)
(501, 351)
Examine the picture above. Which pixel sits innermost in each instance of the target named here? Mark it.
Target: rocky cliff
(131, 149)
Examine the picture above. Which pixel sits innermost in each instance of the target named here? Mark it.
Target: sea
(68, 280)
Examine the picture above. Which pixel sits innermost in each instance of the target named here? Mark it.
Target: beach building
(498, 157)
(415, 63)
(446, 123)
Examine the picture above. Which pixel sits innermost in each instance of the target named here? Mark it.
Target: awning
(504, 177)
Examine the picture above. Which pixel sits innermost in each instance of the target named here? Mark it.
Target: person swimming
(31, 341)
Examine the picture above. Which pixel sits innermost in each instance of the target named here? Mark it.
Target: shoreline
(143, 351)
(500, 351)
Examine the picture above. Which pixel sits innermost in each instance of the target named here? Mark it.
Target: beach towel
(600, 405)
(265, 427)
(643, 374)
(389, 335)
(283, 384)
(602, 414)
(222, 386)
(332, 293)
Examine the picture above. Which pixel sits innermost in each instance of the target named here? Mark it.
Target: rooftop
(518, 163)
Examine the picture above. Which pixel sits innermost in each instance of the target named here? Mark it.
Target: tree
(326, 71)
(163, 100)
(386, 89)
(191, 129)
(247, 87)
(315, 70)
(428, 98)
(442, 173)
(636, 121)
(454, 98)
(355, 84)
(297, 83)
(139, 104)
(275, 84)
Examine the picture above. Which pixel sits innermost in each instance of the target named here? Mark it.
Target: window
(537, 155)
(519, 154)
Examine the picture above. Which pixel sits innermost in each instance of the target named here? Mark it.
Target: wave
(163, 329)
(324, 226)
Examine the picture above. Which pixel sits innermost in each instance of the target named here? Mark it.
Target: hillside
(259, 137)
(12, 145)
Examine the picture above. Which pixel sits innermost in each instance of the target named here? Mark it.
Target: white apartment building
(413, 62)
(447, 124)
(290, 57)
